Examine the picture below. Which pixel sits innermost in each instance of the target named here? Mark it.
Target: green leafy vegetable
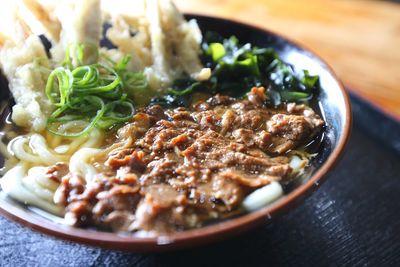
(180, 94)
(243, 66)
(237, 68)
(216, 51)
(88, 96)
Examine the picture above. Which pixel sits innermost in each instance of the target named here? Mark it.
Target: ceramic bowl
(335, 108)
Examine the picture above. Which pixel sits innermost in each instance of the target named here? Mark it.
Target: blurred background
(360, 39)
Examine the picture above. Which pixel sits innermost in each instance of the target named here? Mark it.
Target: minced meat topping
(185, 167)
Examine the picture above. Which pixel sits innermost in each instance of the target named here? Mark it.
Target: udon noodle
(32, 154)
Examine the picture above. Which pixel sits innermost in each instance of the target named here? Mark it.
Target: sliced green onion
(64, 80)
(294, 96)
(89, 96)
(99, 114)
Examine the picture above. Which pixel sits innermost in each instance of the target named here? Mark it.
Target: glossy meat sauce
(182, 168)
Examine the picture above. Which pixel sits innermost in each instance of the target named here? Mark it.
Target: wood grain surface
(359, 39)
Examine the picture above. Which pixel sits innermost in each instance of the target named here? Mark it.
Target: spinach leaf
(236, 68)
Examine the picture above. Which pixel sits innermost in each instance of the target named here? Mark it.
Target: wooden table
(359, 39)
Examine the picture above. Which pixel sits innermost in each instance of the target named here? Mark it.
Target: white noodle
(32, 154)
(17, 147)
(79, 163)
(43, 193)
(12, 185)
(39, 147)
(263, 196)
(40, 177)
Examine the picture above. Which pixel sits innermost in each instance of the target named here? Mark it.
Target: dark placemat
(352, 220)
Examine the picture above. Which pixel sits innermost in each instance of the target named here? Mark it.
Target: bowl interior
(334, 107)
(331, 103)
